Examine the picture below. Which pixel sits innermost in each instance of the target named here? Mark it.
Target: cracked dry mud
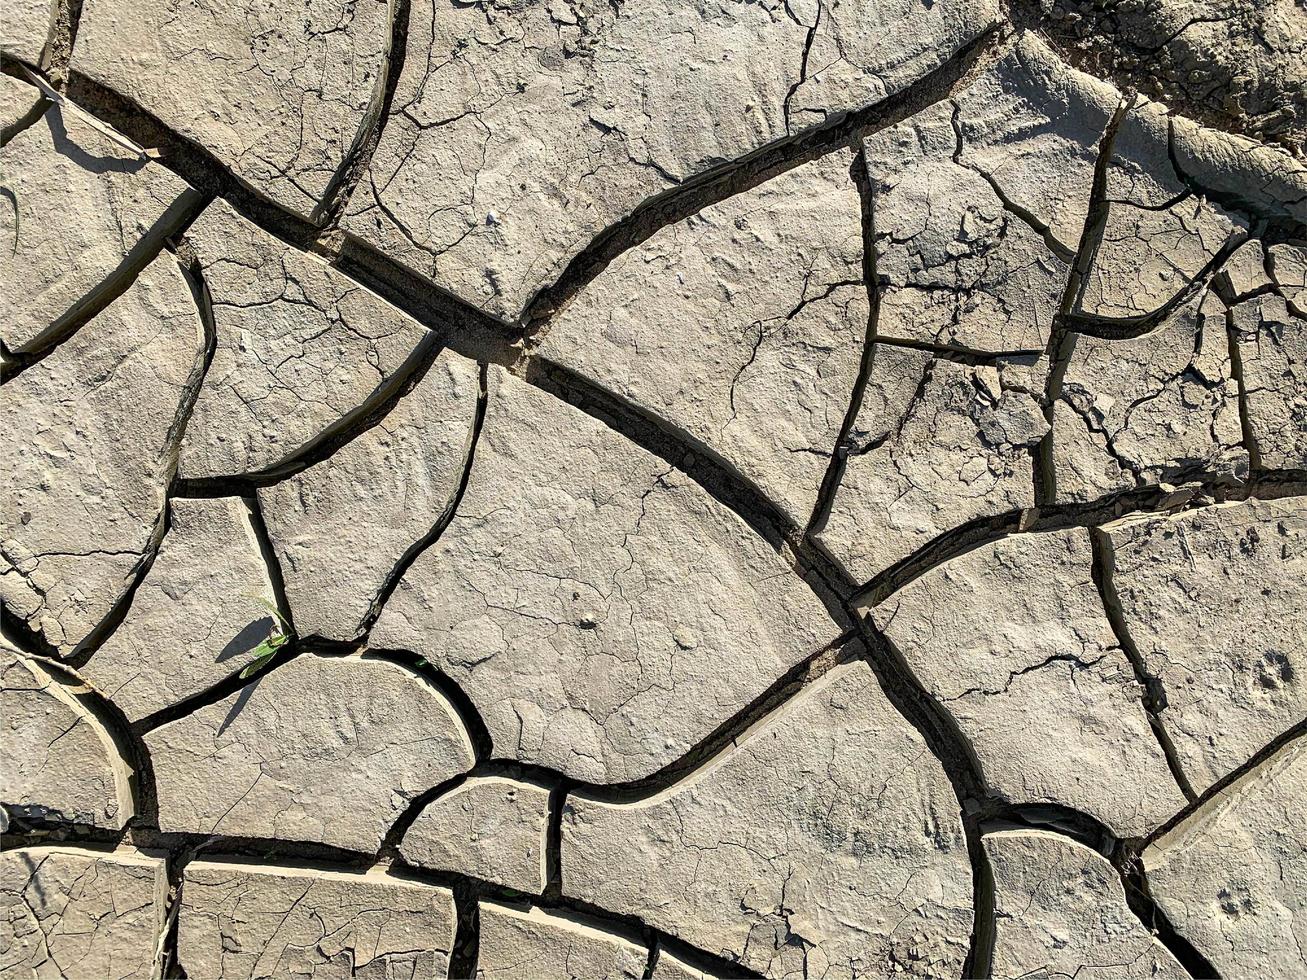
(530, 489)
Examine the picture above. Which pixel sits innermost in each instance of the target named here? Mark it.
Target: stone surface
(68, 912)
(1272, 339)
(601, 611)
(328, 750)
(302, 351)
(851, 864)
(60, 763)
(196, 616)
(89, 453)
(935, 444)
(1060, 911)
(519, 133)
(1215, 601)
(1013, 640)
(277, 97)
(248, 920)
(1232, 878)
(84, 214)
(340, 527)
(979, 202)
(490, 827)
(517, 943)
(26, 27)
(1161, 408)
(767, 289)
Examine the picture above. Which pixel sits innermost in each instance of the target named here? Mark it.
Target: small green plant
(267, 648)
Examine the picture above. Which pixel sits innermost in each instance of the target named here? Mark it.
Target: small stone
(520, 943)
(490, 827)
(245, 921)
(323, 749)
(69, 912)
(60, 763)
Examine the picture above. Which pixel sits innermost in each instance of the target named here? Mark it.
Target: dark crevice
(1250, 444)
(960, 354)
(1146, 910)
(702, 190)
(1214, 488)
(354, 423)
(442, 521)
(834, 475)
(467, 933)
(355, 162)
(1154, 692)
(1062, 340)
(477, 732)
(272, 564)
(174, 219)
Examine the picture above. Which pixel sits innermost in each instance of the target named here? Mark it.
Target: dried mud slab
(340, 528)
(326, 750)
(1215, 601)
(1271, 336)
(84, 214)
(1060, 911)
(518, 133)
(978, 204)
(59, 761)
(69, 912)
(601, 611)
(766, 290)
(89, 455)
(1013, 641)
(302, 352)
(826, 841)
(196, 616)
(1232, 878)
(519, 943)
(490, 827)
(242, 920)
(27, 28)
(279, 98)
(935, 444)
(1158, 409)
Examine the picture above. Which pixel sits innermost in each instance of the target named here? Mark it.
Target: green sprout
(267, 648)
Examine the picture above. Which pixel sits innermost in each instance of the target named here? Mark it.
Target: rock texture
(68, 912)
(601, 611)
(197, 615)
(797, 488)
(89, 455)
(277, 98)
(518, 133)
(852, 865)
(302, 351)
(769, 286)
(935, 444)
(240, 920)
(489, 827)
(1233, 876)
(1060, 911)
(60, 763)
(350, 519)
(1013, 641)
(534, 943)
(329, 750)
(1214, 600)
(85, 213)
